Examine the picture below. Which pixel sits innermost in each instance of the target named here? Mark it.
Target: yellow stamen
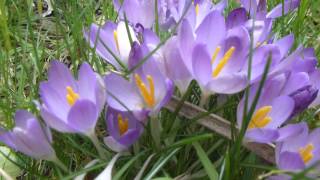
(147, 94)
(260, 119)
(260, 44)
(71, 96)
(223, 61)
(215, 54)
(115, 37)
(197, 9)
(306, 153)
(123, 124)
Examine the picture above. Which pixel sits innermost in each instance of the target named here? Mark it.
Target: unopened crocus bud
(29, 137)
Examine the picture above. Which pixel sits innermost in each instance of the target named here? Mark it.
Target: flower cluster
(224, 53)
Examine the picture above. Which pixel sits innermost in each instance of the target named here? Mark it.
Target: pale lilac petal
(114, 145)
(55, 122)
(181, 76)
(262, 135)
(296, 81)
(21, 118)
(140, 12)
(201, 64)
(285, 44)
(186, 41)
(83, 116)
(55, 102)
(214, 20)
(314, 77)
(100, 39)
(304, 65)
(290, 161)
(290, 131)
(87, 82)
(282, 108)
(60, 76)
(228, 84)
(122, 95)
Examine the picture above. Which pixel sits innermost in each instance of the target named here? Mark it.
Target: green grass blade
(208, 166)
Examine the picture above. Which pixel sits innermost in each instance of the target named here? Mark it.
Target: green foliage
(28, 42)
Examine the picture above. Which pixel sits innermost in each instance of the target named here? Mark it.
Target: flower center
(260, 118)
(71, 96)
(147, 94)
(197, 8)
(123, 124)
(223, 61)
(115, 37)
(306, 153)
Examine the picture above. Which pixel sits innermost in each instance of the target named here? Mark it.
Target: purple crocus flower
(293, 91)
(147, 89)
(124, 129)
(299, 152)
(270, 113)
(71, 105)
(218, 58)
(137, 11)
(29, 137)
(115, 37)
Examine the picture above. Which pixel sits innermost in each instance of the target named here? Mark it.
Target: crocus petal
(201, 64)
(228, 84)
(55, 122)
(314, 77)
(22, 117)
(83, 116)
(303, 97)
(290, 161)
(304, 65)
(295, 82)
(130, 137)
(181, 76)
(114, 145)
(290, 131)
(100, 39)
(123, 40)
(314, 137)
(60, 76)
(87, 82)
(282, 108)
(169, 93)
(285, 44)
(214, 20)
(55, 102)
(140, 12)
(262, 135)
(122, 94)
(186, 40)
(236, 17)
(289, 5)
(107, 173)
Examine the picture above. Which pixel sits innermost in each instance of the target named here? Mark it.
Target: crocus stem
(96, 143)
(156, 131)
(60, 164)
(204, 100)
